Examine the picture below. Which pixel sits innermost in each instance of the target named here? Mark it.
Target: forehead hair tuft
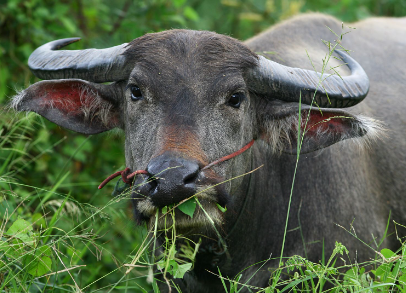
(170, 47)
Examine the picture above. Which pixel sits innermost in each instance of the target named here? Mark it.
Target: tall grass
(49, 242)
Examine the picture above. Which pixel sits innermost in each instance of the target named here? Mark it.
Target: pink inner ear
(68, 96)
(325, 122)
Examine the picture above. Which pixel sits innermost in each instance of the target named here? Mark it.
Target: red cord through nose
(225, 158)
(127, 178)
(124, 175)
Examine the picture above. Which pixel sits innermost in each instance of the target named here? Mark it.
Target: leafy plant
(21, 246)
(188, 207)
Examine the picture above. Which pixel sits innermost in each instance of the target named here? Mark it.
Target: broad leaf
(39, 220)
(14, 249)
(181, 270)
(3, 245)
(39, 263)
(22, 230)
(44, 250)
(188, 207)
(387, 253)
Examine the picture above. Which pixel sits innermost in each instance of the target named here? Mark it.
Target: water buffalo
(187, 98)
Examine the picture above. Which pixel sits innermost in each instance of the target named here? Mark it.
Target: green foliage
(389, 275)
(392, 273)
(188, 207)
(58, 232)
(20, 245)
(350, 11)
(44, 230)
(223, 210)
(173, 268)
(176, 258)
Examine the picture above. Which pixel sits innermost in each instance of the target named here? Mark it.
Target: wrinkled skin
(185, 120)
(190, 114)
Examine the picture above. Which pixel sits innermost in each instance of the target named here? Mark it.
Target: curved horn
(285, 83)
(96, 65)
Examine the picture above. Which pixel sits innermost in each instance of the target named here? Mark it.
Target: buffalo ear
(319, 127)
(74, 104)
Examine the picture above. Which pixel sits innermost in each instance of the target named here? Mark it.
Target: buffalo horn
(285, 83)
(95, 65)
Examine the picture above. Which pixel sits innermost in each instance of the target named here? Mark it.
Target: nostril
(191, 178)
(149, 183)
(153, 182)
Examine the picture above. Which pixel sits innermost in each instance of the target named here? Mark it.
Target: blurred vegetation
(45, 169)
(27, 24)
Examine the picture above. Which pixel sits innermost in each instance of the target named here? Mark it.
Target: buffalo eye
(235, 100)
(136, 93)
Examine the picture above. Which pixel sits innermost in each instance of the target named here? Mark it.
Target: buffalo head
(186, 99)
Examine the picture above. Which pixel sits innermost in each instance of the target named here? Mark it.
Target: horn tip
(64, 42)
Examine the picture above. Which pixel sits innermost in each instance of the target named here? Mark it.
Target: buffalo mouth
(203, 218)
(150, 201)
